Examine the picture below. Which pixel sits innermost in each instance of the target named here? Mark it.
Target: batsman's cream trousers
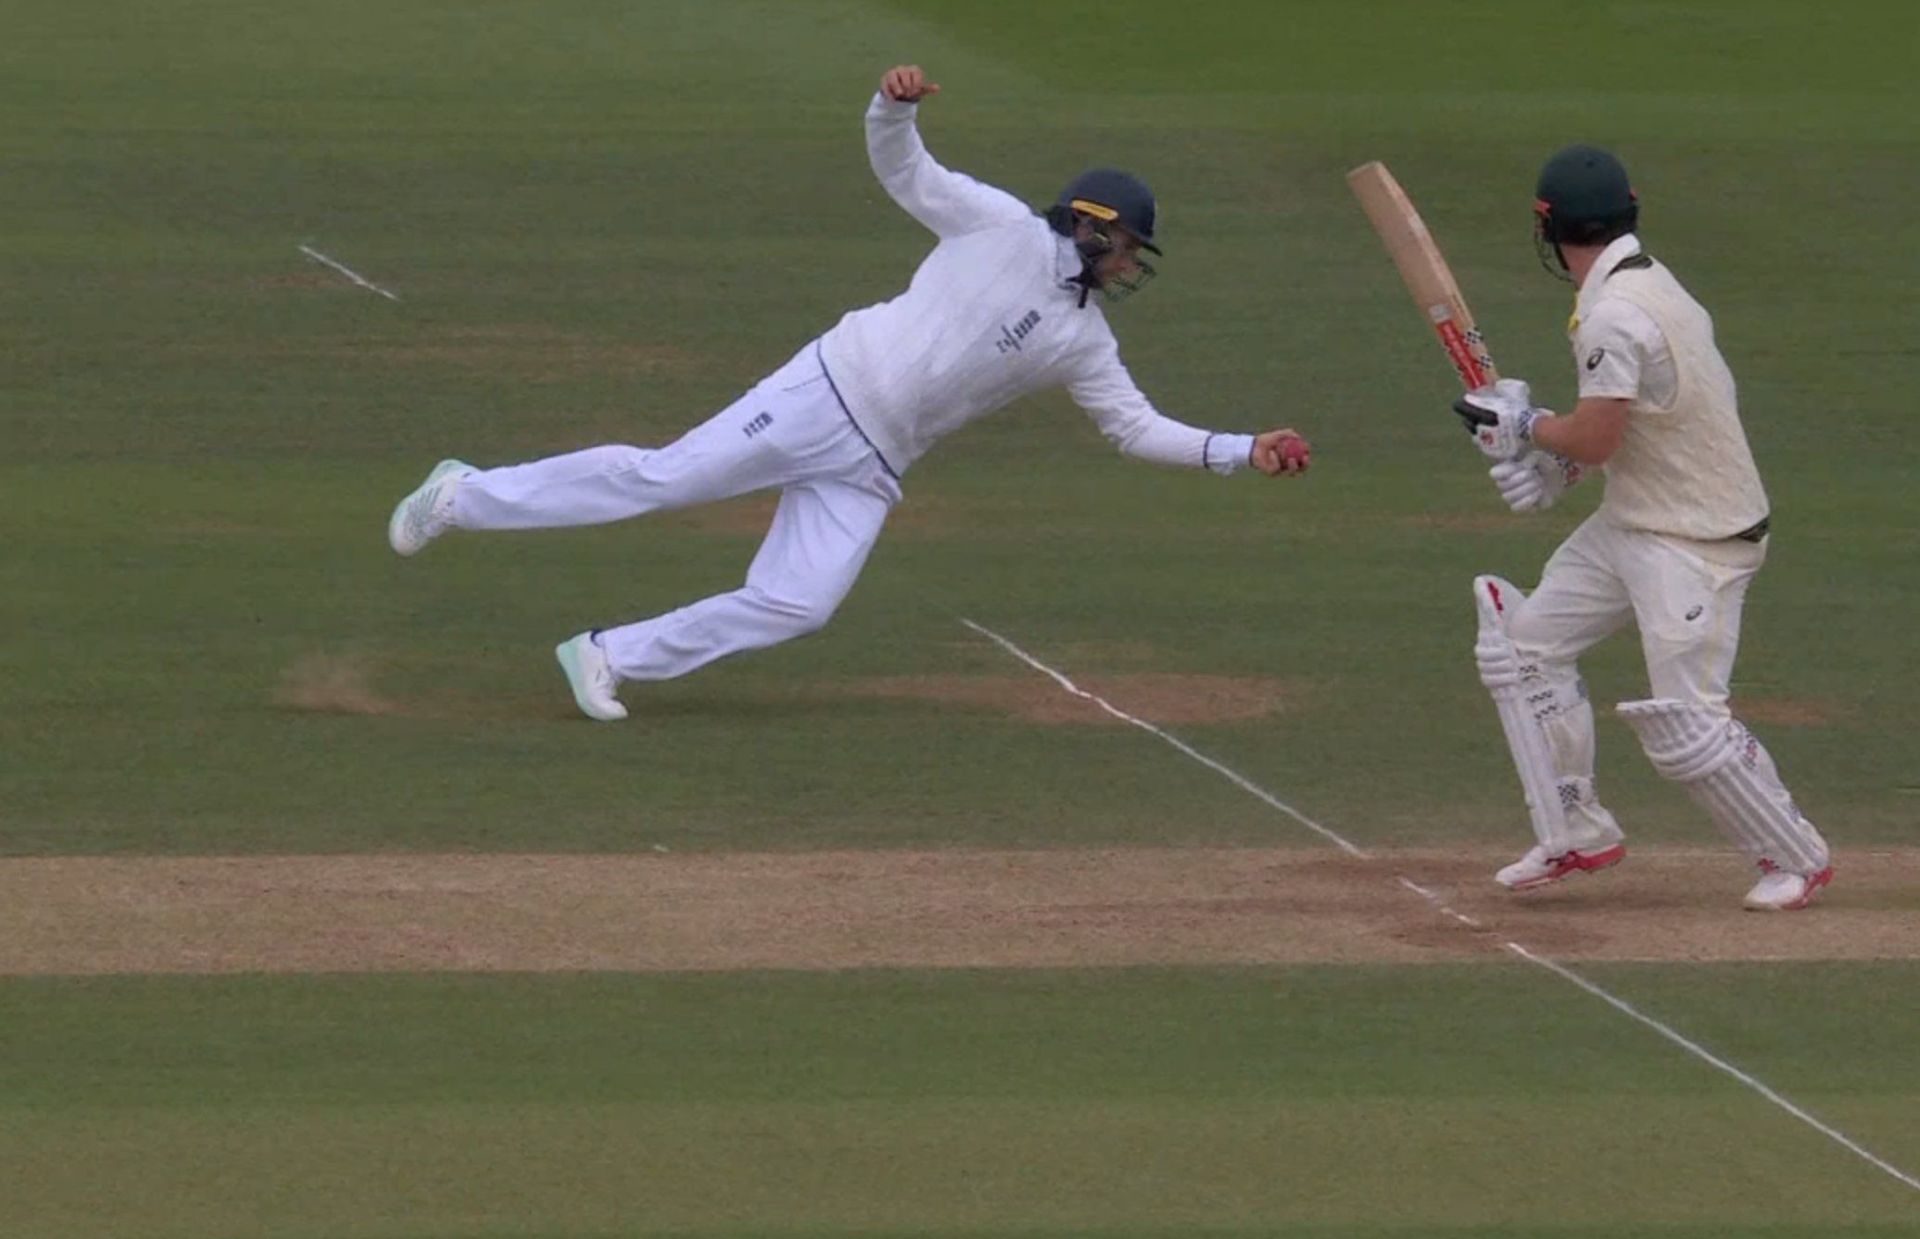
(790, 432)
(1684, 597)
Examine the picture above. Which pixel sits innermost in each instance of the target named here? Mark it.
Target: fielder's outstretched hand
(1281, 451)
(907, 84)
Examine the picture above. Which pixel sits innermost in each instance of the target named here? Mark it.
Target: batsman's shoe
(1537, 868)
(428, 511)
(592, 678)
(1780, 891)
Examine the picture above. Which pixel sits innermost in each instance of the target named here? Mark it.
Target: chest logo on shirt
(1595, 358)
(1010, 337)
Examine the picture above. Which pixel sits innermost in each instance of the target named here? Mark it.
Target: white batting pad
(1729, 773)
(1549, 728)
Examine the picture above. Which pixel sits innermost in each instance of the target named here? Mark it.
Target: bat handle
(1473, 415)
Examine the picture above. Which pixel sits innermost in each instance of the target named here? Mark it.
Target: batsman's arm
(948, 203)
(1589, 435)
(1617, 343)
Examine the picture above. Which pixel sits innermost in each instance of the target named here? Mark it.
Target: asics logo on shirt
(1010, 337)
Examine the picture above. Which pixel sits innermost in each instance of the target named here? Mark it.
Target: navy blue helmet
(1113, 197)
(1107, 201)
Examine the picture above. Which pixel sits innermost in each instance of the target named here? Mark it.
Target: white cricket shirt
(992, 315)
(1684, 468)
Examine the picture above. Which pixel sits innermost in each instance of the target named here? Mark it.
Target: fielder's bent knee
(794, 615)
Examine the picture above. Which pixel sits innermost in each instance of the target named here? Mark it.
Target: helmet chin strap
(1098, 244)
(1548, 249)
(1066, 221)
(1093, 246)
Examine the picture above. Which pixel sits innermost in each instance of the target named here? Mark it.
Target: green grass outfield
(606, 219)
(1312, 1101)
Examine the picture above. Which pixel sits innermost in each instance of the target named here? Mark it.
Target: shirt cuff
(1225, 454)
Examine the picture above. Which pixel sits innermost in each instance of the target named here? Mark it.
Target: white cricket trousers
(791, 432)
(1684, 606)
(1685, 598)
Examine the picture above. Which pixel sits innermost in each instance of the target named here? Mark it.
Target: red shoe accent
(1814, 883)
(1571, 862)
(1576, 862)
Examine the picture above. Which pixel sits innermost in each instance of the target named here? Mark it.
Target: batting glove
(1499, 417)
(1535, 481)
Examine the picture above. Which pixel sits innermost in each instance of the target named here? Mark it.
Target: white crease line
(1619, 1004)
(347, 271)
(1240, 781)
(1718, 1063)
(1436, 901)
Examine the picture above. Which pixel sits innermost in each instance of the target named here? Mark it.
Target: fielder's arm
(948, 203)
(1130, 422)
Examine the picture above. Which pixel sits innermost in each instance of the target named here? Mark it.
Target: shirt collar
(1618, 252)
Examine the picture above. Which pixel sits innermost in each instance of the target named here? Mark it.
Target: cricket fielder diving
(1002, 307)
(1680, 532)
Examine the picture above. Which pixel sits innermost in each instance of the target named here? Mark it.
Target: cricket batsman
(1680, 532)
(1001, 308)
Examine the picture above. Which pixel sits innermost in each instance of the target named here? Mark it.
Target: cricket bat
(1424, 269)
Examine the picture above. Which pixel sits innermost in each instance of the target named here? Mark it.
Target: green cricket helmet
(1583, 197)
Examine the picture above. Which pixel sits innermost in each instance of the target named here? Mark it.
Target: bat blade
(1423, 268)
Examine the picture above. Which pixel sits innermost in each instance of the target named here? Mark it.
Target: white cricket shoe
(1780, 891)
(428, 511)
(592, 678)
(1537, 868)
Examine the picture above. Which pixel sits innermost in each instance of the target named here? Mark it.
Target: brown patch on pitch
(1156, 697)
(1786, 711)
(333, 684)
(344, 684)
(1671, 904)
(1099, 908)
(666, 913)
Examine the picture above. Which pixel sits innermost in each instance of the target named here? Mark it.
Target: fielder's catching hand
(1500, 418)
(1281, 451)
(1535, 481)
(907, 84)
